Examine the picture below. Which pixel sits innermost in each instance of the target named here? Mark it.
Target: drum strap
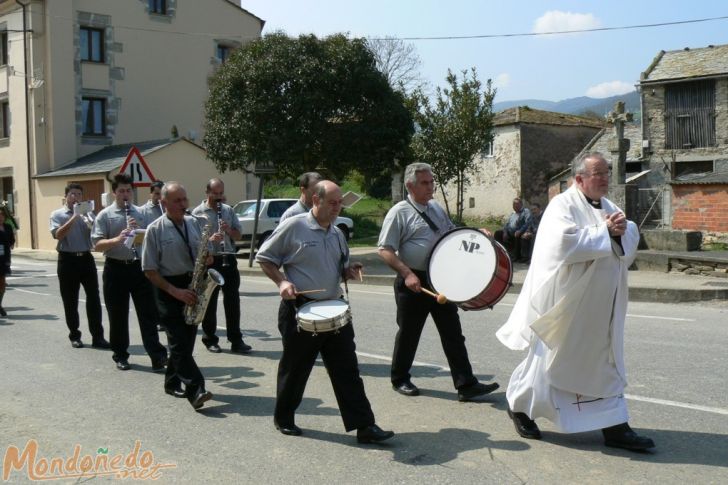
(424, 217)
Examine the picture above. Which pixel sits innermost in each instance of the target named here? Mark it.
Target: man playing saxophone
(168, 260)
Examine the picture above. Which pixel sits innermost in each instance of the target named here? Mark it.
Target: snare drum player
(168, 260)
(224, 261)
(410, 230)
(314, 255)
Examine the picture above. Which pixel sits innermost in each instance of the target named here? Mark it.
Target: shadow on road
(423, 448)
(223, 405)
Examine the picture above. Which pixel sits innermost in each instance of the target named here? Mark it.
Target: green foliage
(454, 131)
(302, 104)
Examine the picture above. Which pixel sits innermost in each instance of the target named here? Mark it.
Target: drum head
(462, 264)
(322, 310)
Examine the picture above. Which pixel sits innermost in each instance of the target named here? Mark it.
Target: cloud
(502, 80)
(558, 21)
(609, 88)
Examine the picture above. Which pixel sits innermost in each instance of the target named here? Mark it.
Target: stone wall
(703, 268)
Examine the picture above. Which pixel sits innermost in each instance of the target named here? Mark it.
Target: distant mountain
(576, 106)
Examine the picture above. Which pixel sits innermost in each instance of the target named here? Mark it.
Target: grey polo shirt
(294, 210)
(312, 257)
(406, 232)
(228, 215)
(78, 238)
(165, 249)
(109, 224)
(151, 212)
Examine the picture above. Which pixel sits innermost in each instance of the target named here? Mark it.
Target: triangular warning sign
(136, 167)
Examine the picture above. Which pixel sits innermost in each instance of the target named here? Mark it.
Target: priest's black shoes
(525, 426)
(478, 389)
(123, 364)
(201, 398)
(372, 434)
(406, 388)
(77, 344)
(101, 343)
(175, 391)
(288, 429)
(622, 436)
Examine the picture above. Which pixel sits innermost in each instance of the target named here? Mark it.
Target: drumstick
(360, 275)
(309, 291)
(441, 299)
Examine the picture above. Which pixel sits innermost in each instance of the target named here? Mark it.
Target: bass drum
(471, 269)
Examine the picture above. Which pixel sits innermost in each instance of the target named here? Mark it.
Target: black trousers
(512, 244)
(122, 280)
(230, 300)
(300, 349)
(181, 368)
(75, 270)
(412, 311)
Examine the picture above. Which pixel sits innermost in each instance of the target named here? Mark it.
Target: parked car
(270, 215)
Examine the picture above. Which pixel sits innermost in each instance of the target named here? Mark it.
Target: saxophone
(204, 281)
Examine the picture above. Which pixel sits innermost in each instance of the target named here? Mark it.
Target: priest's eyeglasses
(600, 174)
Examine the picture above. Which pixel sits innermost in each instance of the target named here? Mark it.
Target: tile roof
(524, 114)
(107, 159)
(702, 178)
(687, 63)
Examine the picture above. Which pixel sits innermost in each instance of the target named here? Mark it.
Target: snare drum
(323, 315)
(470, 269)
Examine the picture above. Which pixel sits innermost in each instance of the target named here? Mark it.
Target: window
(488, 152)
(690, 115)
(92, 44)
(692, 168)
(3, 48)
(5, 113)
(94, 116)
(158, 7)
(223, 52)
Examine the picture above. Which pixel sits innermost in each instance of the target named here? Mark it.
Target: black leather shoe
(214, 348)
(406, 388)
(240, 348)
(77, 344)
(123, 364)
(477, 389)
(160, 365)
(3, 313)
(101, 343)
(201, 398)
(622, 436)
(288, 429)
(176, 392)
(372, 434)
(525, 426)
(161, 328)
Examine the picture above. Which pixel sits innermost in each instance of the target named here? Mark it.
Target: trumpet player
(228, 229)
(171, 273)
(76, 267)
(123, 277)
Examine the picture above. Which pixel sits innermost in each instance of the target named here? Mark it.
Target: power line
(579, 31)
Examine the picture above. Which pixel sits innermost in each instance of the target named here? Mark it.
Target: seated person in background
(529, 236)
(513, 229)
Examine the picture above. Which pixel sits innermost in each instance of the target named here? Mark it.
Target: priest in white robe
(570, 316)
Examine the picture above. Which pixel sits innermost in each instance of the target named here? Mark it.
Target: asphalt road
(62, 397)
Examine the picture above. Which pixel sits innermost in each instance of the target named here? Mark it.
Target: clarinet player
(228, 229)
(123, 277)
(168, 260)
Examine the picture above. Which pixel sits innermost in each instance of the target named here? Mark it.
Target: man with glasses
(410, 230)
(570, 316)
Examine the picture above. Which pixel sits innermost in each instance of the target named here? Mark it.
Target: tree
(398, 61)
(304, 103)
(454, 131)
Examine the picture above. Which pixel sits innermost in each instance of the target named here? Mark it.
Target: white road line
(662, 318)
(28, 291)
(633, 397)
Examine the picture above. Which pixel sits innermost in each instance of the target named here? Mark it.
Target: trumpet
(127, 211)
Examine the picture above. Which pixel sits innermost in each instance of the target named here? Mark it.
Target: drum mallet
(441, 299)
(304, 292)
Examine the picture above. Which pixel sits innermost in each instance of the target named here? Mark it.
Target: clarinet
(219, 226)
(127, 210)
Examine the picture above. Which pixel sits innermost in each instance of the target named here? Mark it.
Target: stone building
(529, 147)
(684, 96)
(78, 76)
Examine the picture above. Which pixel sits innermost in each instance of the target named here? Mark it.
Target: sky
(549, 67)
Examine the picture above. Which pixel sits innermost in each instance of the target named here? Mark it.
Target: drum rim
(323, 320)
(432, 250)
